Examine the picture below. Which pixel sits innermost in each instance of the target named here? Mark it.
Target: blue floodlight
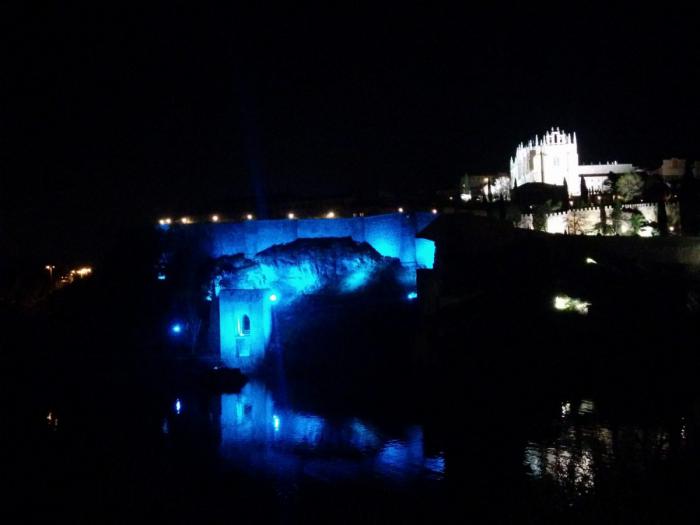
(412, 295)
(176, 328)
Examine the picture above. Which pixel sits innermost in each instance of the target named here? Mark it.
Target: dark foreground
(506, 423)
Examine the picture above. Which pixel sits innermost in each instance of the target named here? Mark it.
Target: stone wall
(392, 235)
(584, 220)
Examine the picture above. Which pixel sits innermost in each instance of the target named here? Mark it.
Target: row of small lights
(249, 216)
(82, 272)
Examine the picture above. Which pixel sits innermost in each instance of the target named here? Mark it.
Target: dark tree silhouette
(584, 190)
(662, 217)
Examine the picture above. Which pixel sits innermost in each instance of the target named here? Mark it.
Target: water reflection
(584, 449)
(52, 421)
(261, 436)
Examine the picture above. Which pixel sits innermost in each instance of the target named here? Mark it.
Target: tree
(539, 215)
(610, 183)
(629, 186)
(584, 190)
(662, 217)
(464, 184)
(574, 222)
(603, 227)
(617, 216)
(637, 220)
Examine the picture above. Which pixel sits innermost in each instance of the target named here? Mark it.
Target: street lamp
(50, 268)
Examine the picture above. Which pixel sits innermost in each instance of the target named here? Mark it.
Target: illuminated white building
(489, 186)
(553, 159)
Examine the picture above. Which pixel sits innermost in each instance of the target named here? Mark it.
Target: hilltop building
(553, 159)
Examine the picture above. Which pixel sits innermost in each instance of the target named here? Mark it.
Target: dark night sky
(124, 113)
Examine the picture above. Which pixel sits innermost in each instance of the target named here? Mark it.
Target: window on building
(243, 326)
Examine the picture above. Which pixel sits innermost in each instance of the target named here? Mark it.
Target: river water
(124, 451)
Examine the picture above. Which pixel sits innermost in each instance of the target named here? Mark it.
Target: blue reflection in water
(273, 440)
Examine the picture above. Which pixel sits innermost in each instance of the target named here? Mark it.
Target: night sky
(117, 115)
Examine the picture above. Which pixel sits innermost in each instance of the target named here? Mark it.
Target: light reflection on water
(583, 449)
(263, 437)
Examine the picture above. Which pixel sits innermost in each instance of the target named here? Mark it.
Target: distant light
(569, 304)
(400, 210)
(671, 228)
(290, 215)
(591, 261)
(273, 297)
(161, 277)
(176, 328)
(565, 409)
(434, 211)
(168, 220)
(276, 422)
(178, 406)
(412, 295)
(161, 222)
(451, 198)
(330, 215)
(185, 220)
(214, 218)
(83, 272)
(249, 216)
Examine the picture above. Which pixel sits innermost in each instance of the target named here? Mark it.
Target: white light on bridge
(249, 216)
(290, 215)
(214, 218)
(330, 215)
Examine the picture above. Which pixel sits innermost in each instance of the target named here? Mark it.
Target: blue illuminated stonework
(392, 235)
(245, 325)
(266, 265)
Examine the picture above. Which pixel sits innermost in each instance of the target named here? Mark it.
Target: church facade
(553, 159)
